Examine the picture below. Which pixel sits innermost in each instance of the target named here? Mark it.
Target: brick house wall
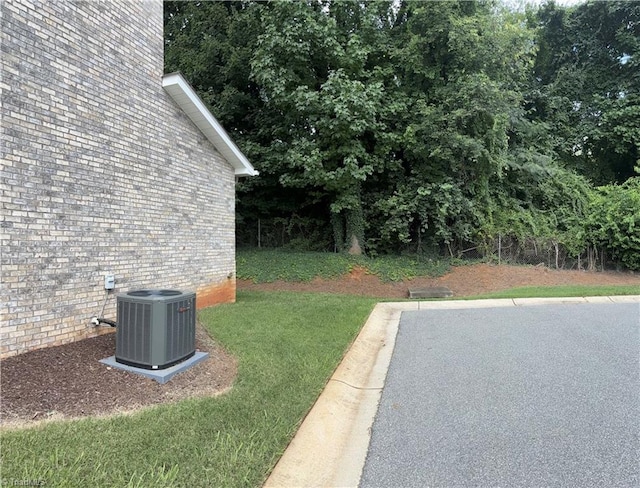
(101, 172)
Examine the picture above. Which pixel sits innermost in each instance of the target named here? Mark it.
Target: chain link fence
(538, 252)
(294, 233)
(308, 235)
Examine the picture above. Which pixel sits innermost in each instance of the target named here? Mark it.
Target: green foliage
(410, 126)
(558, 202)
(441, 212)
(613, 221)
(265, 266)
(458, 64)
(321, 86)
(586, 86)
(211, 43)
(399, 268)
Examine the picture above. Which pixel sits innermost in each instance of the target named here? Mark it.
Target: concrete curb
(330, 448)
(331, 445)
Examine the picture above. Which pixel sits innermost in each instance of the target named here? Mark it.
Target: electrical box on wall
(109, 282)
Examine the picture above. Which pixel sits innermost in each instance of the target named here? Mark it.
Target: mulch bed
(68, 381)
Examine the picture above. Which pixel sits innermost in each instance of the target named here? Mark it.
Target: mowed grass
(563, 291)
(287, 345)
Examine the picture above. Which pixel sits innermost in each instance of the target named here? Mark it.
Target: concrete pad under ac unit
(160, 375)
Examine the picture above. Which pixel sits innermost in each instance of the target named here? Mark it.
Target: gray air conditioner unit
(156, 328)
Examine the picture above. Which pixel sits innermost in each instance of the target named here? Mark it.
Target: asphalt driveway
(525, 396)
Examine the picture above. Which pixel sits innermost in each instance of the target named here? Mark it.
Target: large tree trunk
(348, 222)
(355, 248)
(355, 230)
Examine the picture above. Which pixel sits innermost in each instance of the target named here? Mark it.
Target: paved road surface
(511, 397)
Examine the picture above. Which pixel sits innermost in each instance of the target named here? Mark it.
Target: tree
(587, 85)
(461, 65)
(328, 102)
(385, 125)
(211, 43)
(613, 221)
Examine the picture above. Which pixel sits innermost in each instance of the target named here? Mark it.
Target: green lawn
(287, 345)
(563, 291)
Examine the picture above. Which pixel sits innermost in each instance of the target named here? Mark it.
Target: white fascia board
(189, 101)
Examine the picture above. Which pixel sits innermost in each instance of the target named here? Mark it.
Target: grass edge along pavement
(287, 345)
(560, 291)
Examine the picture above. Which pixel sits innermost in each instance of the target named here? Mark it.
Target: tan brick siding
(101, 171)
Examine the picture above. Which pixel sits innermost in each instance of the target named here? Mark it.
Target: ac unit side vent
(156, 328)
(134, 332)
(180, 335)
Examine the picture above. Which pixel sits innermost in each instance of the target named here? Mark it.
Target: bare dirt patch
(462, 280)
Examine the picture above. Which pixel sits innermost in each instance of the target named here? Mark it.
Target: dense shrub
(613, 221)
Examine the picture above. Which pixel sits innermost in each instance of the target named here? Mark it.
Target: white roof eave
(189, 101)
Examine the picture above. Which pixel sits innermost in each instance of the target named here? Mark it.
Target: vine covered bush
(613, 221)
